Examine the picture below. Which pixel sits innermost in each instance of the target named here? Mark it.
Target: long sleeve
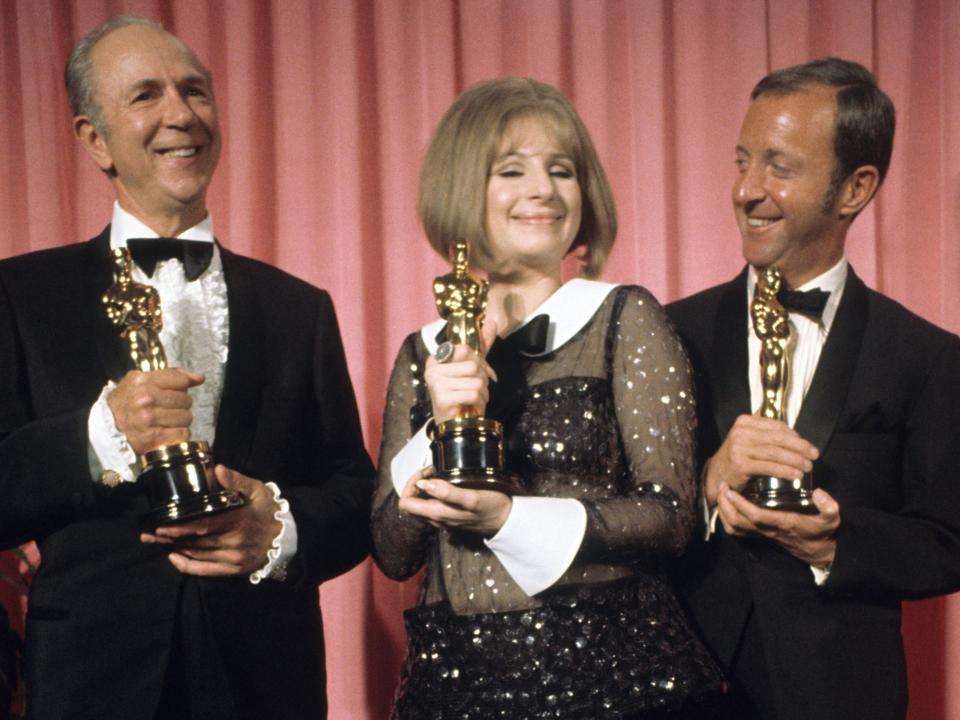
(400, 542)
(331, 509)
(908, 547)
(44, 470)
(652, 510)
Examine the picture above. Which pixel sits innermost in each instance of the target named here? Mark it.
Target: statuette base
(468, 453)
(776, 493)
(177, 480)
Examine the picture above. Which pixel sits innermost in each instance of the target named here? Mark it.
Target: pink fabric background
(326, 107)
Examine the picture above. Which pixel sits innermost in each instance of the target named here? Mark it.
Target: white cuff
(821, 575)
(110, 454)
(413, 456)
(284, 545)
(709, 518)
(539, 540)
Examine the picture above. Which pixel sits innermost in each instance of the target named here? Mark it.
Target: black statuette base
(776, 493)
(468, 453)
(177, 482)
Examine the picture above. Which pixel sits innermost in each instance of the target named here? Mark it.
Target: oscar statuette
(467, 450)
(177, 478)
(772, 327)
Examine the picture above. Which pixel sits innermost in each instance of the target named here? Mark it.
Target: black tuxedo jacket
(103, 606)
(884, 410)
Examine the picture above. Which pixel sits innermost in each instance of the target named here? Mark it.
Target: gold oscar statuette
(176, 479)
(771, 325)
(468, 449)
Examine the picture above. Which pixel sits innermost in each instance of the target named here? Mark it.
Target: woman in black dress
(552, 603)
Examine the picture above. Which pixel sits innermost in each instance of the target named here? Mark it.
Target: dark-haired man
(804, 610)
(217, 617)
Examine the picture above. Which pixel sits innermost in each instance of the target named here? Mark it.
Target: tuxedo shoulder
(698, 299)
(46, 259)
(697, 309)
(272, 278)
(904, 324)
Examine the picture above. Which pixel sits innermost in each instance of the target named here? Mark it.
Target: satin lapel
(838, 361)
(240, 403)
(97, 277)
(731, 391)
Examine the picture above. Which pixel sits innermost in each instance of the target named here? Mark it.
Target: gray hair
(78, 73)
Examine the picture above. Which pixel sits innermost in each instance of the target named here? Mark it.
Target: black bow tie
(805, 302)
(531, 339)
(193, 254)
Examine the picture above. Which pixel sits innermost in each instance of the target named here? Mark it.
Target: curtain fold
(327, 106)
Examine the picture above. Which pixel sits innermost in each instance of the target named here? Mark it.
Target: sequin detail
(593, 652)
(587, 421)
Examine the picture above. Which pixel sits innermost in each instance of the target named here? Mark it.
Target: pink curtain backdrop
(327, 106)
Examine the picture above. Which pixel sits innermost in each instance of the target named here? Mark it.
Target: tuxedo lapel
(731, 390)
(97, 277)
(838, 361)
(240, 403)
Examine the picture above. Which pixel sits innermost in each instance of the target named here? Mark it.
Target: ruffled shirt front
(195, 336)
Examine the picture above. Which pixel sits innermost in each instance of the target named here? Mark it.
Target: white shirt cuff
(110, 454)
(539, 540)
(709, 518)
(413, 456)
(284, 545)
(820, 575)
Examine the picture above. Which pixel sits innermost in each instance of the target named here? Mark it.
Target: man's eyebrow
(771, 153)
(145, 83)
(195, 78)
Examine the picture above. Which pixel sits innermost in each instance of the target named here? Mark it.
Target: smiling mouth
(180, 152)
(538, 219)
(761, 222)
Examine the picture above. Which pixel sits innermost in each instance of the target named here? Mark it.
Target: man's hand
(153, 408)
(809, 538)
(229, 543)
(757, 445)
(445, 505)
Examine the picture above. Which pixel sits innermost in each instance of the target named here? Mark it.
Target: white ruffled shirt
(195, 336)
(542, 535)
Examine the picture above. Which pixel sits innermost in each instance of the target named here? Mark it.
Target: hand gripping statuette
(771, 325)
(467, 450)
(176, 478)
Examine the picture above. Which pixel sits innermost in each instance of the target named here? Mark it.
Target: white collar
(570, 308)
(832, 281)
(124, 226)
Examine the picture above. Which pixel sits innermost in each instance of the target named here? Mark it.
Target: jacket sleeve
(44, 466)
(331, 509)
(910, 549)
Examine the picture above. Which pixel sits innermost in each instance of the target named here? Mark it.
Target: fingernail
(424, 485)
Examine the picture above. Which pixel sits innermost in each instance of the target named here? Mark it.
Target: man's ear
(93, 142)
(858, 190)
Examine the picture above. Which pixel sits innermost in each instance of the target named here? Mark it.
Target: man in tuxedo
(803, 610)
(216, 617)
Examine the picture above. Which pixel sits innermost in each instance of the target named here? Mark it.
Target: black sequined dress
(607, 418)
